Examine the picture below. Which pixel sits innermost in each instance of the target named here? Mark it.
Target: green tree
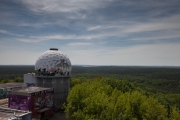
(106, 99)
(175, 113)
(18, 79)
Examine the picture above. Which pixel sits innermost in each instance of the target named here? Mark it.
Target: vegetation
(154, 93)
(14, 73)
(153, 79)
(116, 92)
(112, 99)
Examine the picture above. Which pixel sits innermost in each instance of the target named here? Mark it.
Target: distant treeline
(9, 72)
(153, 79)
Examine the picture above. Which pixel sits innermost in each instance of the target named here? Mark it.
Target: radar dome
(53, 61)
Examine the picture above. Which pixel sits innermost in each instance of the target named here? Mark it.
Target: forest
(116, 92)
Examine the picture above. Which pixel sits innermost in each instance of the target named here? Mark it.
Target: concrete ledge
(53, 76)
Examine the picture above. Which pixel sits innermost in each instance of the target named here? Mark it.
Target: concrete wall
(29, 78)
(34, 102)
(61, 87)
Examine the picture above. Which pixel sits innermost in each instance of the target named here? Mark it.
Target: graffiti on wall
(33, 101)
(42, 101)
(13, 88)
(3, 93)
(49, 100)
(19, 102)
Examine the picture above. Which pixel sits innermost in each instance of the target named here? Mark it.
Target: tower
(53, 69)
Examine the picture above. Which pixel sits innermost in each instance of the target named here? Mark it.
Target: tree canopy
(112, 99)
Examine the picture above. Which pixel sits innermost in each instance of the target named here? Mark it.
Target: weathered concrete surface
(61, 87)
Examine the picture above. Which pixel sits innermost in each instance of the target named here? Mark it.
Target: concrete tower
(53, 69)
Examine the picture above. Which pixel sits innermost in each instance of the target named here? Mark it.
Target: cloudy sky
(91, 32)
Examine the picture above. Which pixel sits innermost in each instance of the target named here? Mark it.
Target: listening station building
(52, 70)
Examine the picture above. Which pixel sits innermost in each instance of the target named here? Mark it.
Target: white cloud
(78, 44)
(35, 39)
(168, 26)
(79, 22)
(63, 5)
(158, 37)
(154, 26)
(35, 25)
(94, 28)
(9, 33)
(88, 38)
(3, 31)
(28, 40)
(154, 54)
(16, 57)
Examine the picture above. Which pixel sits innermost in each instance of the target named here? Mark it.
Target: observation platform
(55, 76)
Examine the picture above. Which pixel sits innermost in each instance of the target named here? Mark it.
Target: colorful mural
(40, 101)
(19, 102)
(34, 102)
(45, 100)
(3, 92)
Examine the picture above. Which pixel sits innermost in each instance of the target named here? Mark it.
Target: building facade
(38, 100)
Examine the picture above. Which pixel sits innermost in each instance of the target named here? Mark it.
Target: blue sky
(91, 32)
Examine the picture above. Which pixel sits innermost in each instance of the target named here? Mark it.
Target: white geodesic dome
(53, 61)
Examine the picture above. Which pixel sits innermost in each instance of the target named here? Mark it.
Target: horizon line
(100, 65)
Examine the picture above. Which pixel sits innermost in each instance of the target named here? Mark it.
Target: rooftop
(7, 113)
(9, 85)
(27, 91)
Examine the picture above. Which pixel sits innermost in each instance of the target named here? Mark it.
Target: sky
(91, 32)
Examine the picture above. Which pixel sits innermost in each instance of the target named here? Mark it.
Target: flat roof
(29, 91)
(7, 112)
(9, 85)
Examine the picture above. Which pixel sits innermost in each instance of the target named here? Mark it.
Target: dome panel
(53, 61)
